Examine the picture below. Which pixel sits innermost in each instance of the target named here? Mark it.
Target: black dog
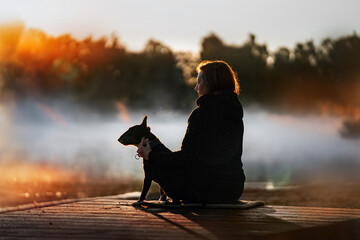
(133, 136)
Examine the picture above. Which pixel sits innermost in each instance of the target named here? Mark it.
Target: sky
(181, 25)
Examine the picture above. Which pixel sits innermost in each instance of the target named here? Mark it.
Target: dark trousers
(180, 183)
(175, 181)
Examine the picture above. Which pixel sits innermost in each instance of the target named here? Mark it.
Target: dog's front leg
(145, 189)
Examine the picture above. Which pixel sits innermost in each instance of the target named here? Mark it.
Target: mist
(62, 133)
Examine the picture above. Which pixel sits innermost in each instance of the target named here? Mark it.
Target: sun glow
(327, 109)
(10, 35)
(123, 112)
(24, 182)
(24, 172)
(52, 114)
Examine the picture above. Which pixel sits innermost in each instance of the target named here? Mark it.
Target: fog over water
(65, 134)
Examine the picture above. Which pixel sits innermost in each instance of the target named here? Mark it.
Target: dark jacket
(211, 149)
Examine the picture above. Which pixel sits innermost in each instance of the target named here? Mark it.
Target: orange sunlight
(52, 114)
(10, 35)
(24, 172)
(123, 112)
(328, 108)
(25, 182)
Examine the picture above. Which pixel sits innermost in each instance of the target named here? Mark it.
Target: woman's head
(216, 76)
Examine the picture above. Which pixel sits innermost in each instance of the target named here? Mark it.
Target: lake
(59, 144)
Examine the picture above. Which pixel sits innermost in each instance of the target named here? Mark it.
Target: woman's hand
(144, 148)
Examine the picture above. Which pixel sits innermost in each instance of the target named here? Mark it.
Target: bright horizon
(182, 25)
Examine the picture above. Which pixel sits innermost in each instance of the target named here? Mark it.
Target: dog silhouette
(133, 137)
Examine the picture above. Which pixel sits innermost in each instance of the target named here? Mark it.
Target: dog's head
(134, 134)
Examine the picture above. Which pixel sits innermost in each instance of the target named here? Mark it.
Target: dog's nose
(119, 140)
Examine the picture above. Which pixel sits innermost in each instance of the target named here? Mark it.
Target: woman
(208, 168)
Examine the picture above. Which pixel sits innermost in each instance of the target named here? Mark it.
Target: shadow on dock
(224, 223)
(111, 218)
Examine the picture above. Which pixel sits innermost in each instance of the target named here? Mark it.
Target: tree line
(322, 79)
(103, 69)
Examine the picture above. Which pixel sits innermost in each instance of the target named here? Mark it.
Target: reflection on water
(41, 155)
(268, 186)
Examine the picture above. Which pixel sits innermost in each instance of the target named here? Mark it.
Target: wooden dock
(109, 218)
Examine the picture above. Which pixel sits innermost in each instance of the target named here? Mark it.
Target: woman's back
(218, 169)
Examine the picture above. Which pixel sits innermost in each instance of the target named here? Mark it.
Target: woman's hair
(218, 75)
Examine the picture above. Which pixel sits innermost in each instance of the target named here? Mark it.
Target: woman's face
(200, 87)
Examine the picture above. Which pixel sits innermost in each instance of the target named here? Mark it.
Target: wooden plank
(110, 218)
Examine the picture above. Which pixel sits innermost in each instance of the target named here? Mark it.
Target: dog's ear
(144, 122)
